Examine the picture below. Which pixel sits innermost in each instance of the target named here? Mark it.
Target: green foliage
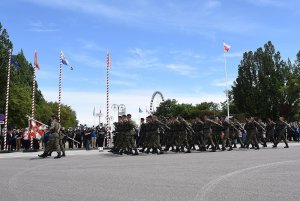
(171, 108)
(21, 91)
(266, 85)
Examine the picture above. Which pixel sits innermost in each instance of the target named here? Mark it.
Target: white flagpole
(7, 98)
(227, 99)
(32, 104)
(94, 114)
(59, 85)
(107, 101)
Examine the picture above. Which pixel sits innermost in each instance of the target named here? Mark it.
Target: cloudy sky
(171, 46)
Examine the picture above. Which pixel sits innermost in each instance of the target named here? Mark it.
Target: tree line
(266, 86)
(21, 91)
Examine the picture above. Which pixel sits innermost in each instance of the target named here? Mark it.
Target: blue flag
(65, 61)
(140, 110)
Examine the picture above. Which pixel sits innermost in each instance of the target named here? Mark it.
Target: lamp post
(118, 108)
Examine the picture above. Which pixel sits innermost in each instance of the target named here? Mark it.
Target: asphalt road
(247, 175)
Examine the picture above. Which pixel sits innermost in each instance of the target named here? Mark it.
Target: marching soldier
(226, 126)
(197, 126)
(53, 143)
(235, 133)
(261, 132)
(251, 129)
(217, 129)
(270, 130)
(281, 127)
(207, 134)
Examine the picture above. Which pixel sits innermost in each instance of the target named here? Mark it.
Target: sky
(171, 46)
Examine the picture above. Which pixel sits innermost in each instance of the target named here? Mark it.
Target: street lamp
(119, 108)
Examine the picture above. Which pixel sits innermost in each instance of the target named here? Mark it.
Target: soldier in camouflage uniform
(197, 126)
(281, 127)
(152, 129)
(130, 132)
(226, 128)
(169, 137)
(235, 131)
(270, 130)
(251, 129)
(207, 134)
(53, 143)
(217, 133)
(180, 135)
(261, 133)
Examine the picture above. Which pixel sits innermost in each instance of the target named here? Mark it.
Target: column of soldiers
(174, 134)
(179, 135)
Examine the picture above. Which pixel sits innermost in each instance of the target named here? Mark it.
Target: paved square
(266, 174)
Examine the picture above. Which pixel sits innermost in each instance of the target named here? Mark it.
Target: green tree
(266, 85)
(21, 91)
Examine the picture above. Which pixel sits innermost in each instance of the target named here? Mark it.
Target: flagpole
(32, 103)
(7, 98)
(94, 115)
(227, 99)
(59, 85)
(107, 101)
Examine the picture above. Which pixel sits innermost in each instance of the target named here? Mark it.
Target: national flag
(65, 61)
(94, 112)
(36, 64)
(108, 63)
(140, 110)
(36, 128)
(226, 47)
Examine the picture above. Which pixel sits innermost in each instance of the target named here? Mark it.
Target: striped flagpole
(32, 106)
(7, 98)
(59, 85)
(107, 100)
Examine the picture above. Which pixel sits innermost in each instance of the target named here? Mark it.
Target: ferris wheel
(156, 99)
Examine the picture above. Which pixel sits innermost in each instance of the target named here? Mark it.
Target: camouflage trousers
(53, 143)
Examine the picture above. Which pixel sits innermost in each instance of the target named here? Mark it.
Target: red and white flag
(226, 47)
(36, 64)
(36, 128)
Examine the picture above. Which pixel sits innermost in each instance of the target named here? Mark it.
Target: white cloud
(39, 26)
(234, 54)
(222, 83)
(182, 69)
(88, 60)
(204, 18)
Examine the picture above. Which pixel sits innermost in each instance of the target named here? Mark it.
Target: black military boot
(223, 148)
(63, 154)
(58, 155)
(43, 155)
(188, 151)
(136, 152)
(286, 146)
